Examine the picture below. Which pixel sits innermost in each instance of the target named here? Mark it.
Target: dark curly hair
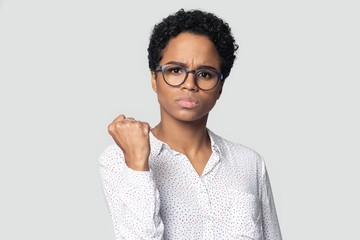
(197, 22)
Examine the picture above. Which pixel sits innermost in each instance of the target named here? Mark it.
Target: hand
(133, 139)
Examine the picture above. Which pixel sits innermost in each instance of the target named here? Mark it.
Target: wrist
(138, 164)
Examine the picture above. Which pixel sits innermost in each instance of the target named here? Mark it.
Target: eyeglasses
(175, 75)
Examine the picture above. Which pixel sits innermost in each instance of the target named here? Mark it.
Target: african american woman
(180, 180)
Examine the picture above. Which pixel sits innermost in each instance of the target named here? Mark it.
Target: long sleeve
(132, 198)
(270, 224)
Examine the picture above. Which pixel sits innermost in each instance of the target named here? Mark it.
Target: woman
(179, 180)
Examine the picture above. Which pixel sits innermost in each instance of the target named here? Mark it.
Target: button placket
(201, 191)
(205, 205)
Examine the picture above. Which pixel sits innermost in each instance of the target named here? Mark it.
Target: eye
(205, 74)
(174, 70)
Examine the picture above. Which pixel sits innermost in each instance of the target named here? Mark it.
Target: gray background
(69, 67)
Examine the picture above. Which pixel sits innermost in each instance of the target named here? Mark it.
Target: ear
(153, 81)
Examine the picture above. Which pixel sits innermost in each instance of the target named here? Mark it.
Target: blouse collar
(158, 145)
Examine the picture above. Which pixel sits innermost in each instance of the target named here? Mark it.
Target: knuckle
(119, 118)
(118, 125)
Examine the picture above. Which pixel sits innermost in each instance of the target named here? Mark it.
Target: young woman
(179, 180)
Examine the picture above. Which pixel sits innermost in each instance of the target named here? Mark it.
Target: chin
(190, 116)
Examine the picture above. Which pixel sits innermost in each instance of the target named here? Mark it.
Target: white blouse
(232, 199)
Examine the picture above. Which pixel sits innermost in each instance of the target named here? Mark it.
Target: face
(187, 102)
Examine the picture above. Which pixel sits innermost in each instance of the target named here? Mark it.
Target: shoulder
(236, 151)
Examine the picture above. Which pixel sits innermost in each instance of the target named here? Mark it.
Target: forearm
(133, 201)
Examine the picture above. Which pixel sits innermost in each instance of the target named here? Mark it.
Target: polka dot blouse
(232, 199)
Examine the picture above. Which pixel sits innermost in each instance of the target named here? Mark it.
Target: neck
(182, 136)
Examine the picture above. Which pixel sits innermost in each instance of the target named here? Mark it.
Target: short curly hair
(196, 22)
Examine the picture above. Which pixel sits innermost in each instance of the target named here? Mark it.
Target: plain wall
(69, 67)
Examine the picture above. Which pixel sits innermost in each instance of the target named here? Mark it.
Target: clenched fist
(133, 139)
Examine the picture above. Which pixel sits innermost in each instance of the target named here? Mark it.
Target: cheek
(164, 94)
(212, 97)
(212, 102)
(209, 102)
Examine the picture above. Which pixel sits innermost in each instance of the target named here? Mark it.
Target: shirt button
(207, 217)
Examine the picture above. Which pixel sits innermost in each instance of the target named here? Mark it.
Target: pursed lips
(187, 102)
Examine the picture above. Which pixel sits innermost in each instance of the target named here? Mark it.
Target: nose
(189, 82)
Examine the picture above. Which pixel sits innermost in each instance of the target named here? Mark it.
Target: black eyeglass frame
(162, 68)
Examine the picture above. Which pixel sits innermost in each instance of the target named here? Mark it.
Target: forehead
(191, 49)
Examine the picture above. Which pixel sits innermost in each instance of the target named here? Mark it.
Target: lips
(187, 102)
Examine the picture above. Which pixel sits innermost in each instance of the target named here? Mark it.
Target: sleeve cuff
(139, 179)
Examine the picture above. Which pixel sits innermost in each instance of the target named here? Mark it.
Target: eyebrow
(185, 65)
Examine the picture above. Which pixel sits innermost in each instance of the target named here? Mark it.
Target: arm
(132, 198)
(270, 224)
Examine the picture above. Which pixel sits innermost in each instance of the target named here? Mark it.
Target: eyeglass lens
(205, 79)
